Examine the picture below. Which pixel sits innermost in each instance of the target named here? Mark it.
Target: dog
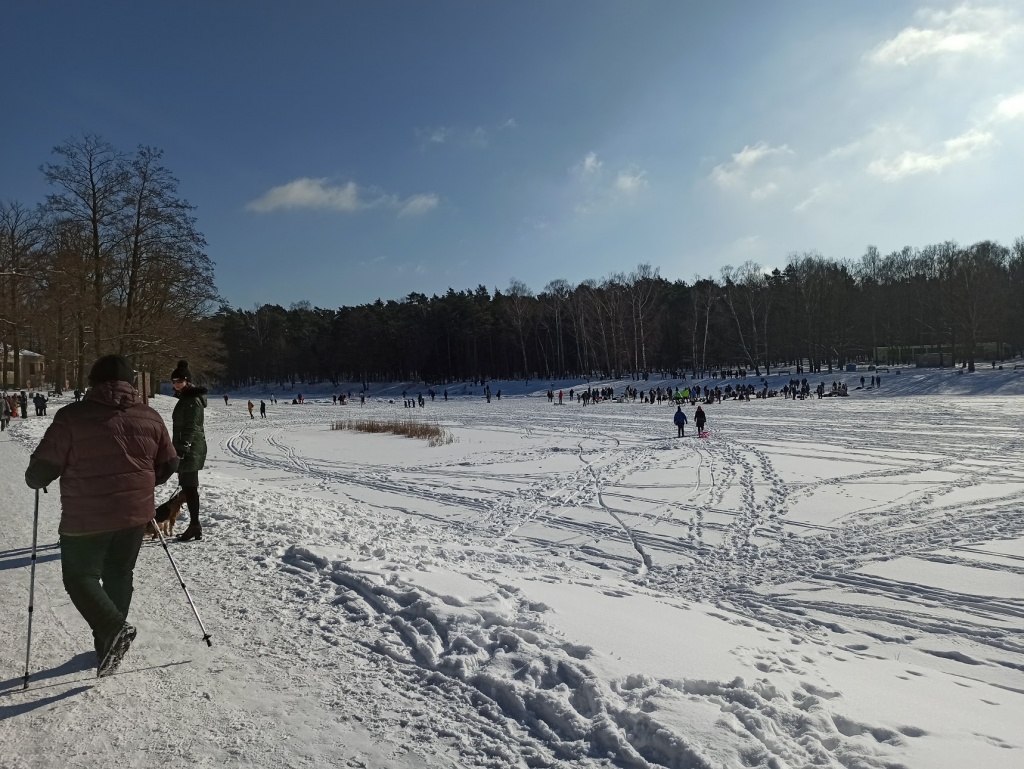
(173, 509)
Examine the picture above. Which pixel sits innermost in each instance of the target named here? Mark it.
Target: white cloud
(953, 150)
(408, 267)
(311, 193)
(600, 190)
(589, 166)
(419, 204)
(478, 138)
(764, 191)
(750, 155)
(816, 194)
(845, 150)
(437, 135)
(1010, 108)
(631, 180)
(732, 173)
(963, 30)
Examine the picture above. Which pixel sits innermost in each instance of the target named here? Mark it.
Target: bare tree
(705, 295)
(643, 286)
(92, 178)
(748, 295)
(63, 299)
(975, 277)
(519, 307)
(20, 232)
(580, 303)
(556, 297)
(610, 310)
(158, 250)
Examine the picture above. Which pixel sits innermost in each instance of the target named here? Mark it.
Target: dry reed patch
(433, 434)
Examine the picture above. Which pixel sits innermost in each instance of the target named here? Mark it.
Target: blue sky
(343, 151)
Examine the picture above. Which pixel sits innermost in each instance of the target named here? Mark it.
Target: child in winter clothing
(680, 420)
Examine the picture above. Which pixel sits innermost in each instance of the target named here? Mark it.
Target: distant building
(936, 356)
(930, 360)
(32, 365)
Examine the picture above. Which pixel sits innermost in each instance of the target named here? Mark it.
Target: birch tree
(519, 312)
(747, 293)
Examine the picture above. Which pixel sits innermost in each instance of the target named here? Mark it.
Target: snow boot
(115, 653)
(194, 531)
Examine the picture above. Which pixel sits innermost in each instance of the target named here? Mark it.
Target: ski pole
(31, 589)
(206, 635)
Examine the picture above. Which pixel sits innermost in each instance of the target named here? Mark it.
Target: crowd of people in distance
(15, 405)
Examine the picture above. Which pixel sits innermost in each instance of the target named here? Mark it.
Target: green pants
(98, 570)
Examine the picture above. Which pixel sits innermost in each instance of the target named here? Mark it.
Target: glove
(39, 474)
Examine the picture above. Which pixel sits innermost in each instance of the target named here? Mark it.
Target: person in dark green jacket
(189, 441)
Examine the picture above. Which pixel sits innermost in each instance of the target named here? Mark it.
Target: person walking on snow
(189, 440)
(680, 420)
(263, 410)
(700, 419)
(109, 451)
(251, 406)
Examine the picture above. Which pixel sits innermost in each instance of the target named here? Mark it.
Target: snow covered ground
(819, 583)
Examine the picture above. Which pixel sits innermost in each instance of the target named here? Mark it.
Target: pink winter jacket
(110, 451)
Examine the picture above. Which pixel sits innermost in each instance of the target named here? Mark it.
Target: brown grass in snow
(434, 434)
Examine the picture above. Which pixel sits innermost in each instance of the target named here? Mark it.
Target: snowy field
(818, 583)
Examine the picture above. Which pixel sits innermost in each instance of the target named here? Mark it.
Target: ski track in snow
(489, 681)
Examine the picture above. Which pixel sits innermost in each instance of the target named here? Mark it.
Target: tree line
(110, 262)
(951, 300)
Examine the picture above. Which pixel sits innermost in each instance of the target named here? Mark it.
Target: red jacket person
(109, 451)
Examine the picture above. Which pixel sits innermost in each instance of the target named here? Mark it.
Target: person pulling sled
(700, 419)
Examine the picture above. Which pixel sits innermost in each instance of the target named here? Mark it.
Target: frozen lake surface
(832, 582)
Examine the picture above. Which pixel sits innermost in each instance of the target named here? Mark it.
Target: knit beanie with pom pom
(182, 372)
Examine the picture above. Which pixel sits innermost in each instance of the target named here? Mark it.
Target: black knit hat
(111, 368)
(182, 372)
